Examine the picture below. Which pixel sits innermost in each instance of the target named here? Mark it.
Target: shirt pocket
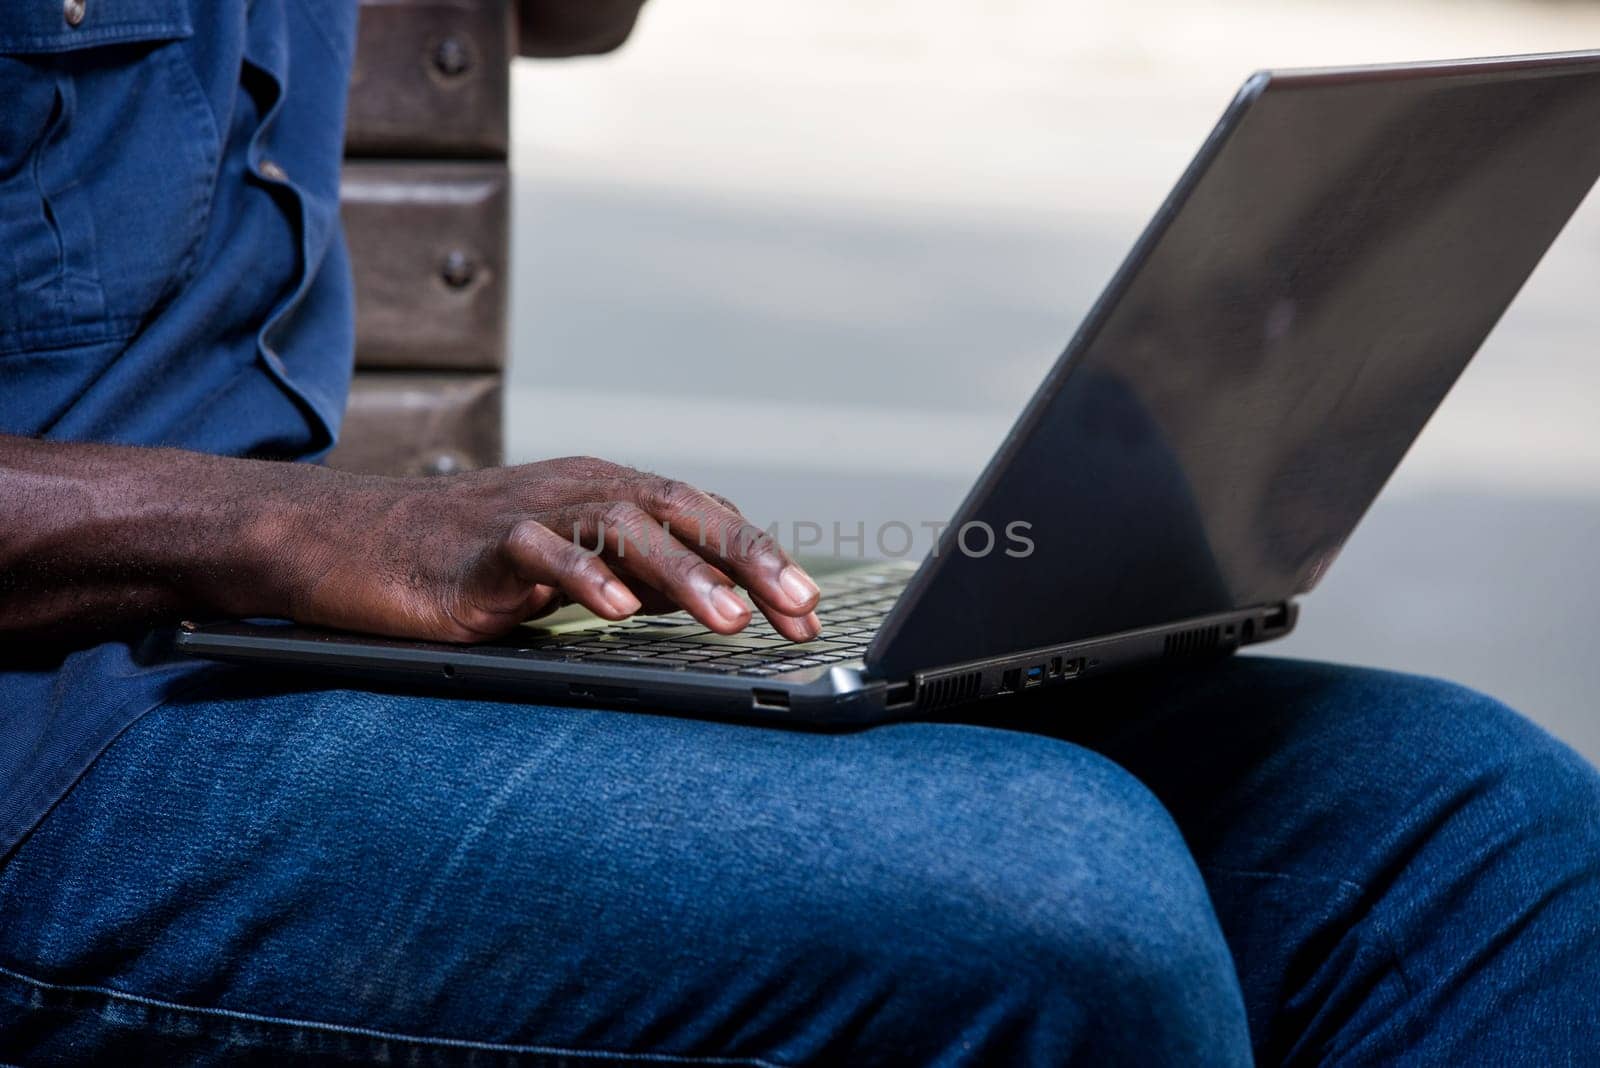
(108, 152)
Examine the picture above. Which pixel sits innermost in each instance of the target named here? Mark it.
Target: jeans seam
(1383, 939)
(1342, 883)
(615, 1056)
(1391, 947)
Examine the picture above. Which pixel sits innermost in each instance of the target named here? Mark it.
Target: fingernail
(729, 605)
(812, 626)
(620, 598)
(797, 585)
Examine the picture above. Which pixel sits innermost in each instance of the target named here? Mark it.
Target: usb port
(773, 700)
(1011, 681)
(1033, 676)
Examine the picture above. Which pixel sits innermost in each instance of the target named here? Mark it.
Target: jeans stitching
(377, 1035)
(1385, 939)
(1344, 884)
(1382, 938)
(1391, 948)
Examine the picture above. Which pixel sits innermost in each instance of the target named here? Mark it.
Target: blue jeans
(1258, 857)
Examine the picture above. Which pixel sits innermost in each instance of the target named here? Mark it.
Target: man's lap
(593, 881)
(1396, 861)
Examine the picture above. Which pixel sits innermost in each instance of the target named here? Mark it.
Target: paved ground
(817, 255)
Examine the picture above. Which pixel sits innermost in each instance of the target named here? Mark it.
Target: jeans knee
(1476, 750)
(1405, 739)
(1061, 918)
(1462, 797)
(1522, 787)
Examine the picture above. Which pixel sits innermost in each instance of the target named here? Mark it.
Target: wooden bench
(426, 199)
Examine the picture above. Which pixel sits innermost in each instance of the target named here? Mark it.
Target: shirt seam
(331, 38)
(106, 33)
(30, 339)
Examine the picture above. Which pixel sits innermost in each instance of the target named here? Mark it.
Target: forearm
(95, 538)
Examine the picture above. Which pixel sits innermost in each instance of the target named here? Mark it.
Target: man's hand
(470, 557)
(95, 538)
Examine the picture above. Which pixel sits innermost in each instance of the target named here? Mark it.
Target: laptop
(1339, 249)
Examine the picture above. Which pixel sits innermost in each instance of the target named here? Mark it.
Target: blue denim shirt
(172, 272)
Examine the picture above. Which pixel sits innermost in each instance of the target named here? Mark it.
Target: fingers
(542, 600)
(716, 531)
(540, 557)
(636, 545)
(654, 602)
(795, 628)
(667, 537)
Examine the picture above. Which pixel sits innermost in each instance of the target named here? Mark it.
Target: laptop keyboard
(853, 607)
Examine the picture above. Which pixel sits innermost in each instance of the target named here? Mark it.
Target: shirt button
(272, 171)
(74, 10)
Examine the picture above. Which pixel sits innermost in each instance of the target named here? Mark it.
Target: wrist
(96, 537)
(268, 546)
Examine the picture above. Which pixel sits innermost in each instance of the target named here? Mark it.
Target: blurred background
(816, 256)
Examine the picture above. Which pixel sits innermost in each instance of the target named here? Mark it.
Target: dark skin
(98, 539)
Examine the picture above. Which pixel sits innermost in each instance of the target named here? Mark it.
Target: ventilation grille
(949, 690)
(1193, 642)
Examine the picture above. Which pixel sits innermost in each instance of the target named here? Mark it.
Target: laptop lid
(1340, 248)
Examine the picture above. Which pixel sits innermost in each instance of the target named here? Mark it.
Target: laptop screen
(1335, 256)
